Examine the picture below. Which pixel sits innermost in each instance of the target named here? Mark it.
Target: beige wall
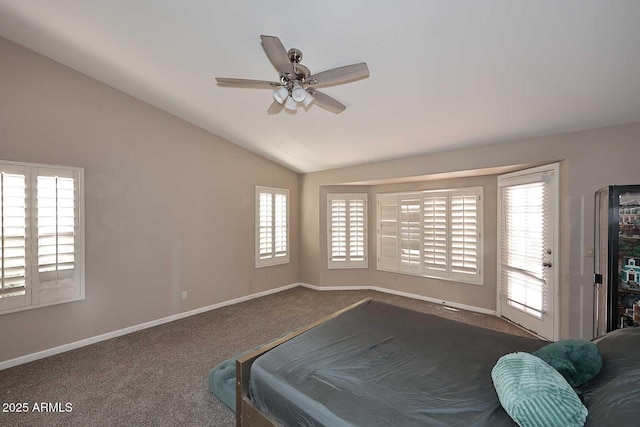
(589, 160)
(169, 207)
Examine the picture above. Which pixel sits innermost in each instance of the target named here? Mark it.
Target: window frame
(397, 204)
(348, 262)
(33, 286)
(273, 259)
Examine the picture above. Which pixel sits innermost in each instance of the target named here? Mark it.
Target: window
(347, 230)
(41, 235)
(272, 226)
(431, 233)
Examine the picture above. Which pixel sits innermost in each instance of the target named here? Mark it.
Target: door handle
(546, 264)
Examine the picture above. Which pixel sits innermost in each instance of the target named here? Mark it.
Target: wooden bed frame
(247, 414)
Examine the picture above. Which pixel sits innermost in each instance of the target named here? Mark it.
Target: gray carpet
(158, 376)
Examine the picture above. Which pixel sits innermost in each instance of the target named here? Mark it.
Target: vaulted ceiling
(443, 74)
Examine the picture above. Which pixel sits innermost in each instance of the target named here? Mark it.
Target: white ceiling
(444, 74)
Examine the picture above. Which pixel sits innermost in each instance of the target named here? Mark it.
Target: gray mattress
(383, 365)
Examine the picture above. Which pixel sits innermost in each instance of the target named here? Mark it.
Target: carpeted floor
(158, 376)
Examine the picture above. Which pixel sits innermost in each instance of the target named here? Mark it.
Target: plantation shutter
(41, 235)
(280, 225)
(357, 230)
(57, 232)
(465, 235)
(434, 233)
(388, 232)
(265, 225)
(525, 212)
(435, 248)
(272, 226)
(337, 230)
(410, 233)
(13, 237)
(346, 222)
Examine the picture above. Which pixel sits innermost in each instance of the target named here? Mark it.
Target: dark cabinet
(617, 258)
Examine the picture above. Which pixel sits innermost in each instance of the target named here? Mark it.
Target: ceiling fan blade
(339, 75)
(326, 102)
(247, 83)
(277, 54)
(275, 108)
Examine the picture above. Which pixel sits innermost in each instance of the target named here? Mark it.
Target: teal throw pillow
(534, 394)
(576, 359)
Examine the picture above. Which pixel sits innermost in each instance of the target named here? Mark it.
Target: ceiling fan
(296, 83)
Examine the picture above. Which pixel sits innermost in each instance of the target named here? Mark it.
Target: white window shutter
(388, 244)
(57, 215)
(265, 225)
(337, 229)
(435, 232)
(280, 225)
(14, 292)
(410, 233)
(272, 226)
(346, 230)
(465, 235)
(41, 235)
(358, 230)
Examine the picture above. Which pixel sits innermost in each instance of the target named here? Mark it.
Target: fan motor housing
(295, 55)
(300, 71)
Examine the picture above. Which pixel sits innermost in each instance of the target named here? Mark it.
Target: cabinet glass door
(629, 259)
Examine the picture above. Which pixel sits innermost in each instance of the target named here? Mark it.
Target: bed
(376, 364)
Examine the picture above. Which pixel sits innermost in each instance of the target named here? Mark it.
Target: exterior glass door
(528, 248)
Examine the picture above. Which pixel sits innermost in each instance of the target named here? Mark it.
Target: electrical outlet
(184, 294)
(589, 251)
(250, 282)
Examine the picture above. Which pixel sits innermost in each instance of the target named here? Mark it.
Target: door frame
(554, 168)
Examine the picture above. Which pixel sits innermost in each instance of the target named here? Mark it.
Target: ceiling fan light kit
(290, 104)
(281, 94)
(308, 100)
(298, 93)
(296, 81)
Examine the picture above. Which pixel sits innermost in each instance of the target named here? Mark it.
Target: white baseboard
(335, 288)
(92, 340)
(402, 294)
